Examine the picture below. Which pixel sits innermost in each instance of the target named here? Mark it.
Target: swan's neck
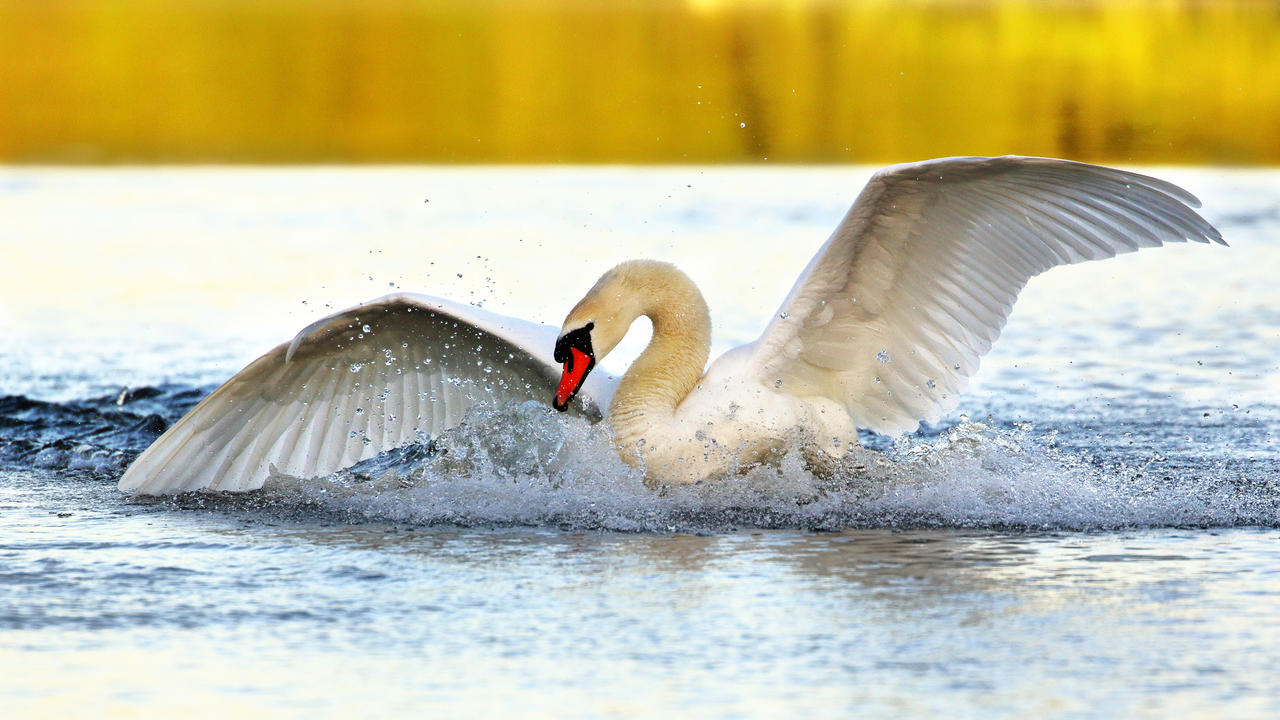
(670, 367)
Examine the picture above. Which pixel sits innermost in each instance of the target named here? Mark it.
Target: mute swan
(882, 329)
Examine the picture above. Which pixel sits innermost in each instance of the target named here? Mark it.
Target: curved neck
(671, 365)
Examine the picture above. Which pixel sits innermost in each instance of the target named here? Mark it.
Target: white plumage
(349, 386)
(893, 313)
(883, 328)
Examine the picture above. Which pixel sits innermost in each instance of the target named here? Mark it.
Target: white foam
(523, 465)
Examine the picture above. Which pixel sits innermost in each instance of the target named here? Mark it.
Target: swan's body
(882, 330)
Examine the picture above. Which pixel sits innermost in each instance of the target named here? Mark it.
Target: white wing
(891, 316)
(354, 384)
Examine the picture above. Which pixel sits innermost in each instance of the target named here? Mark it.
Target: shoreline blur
(643, 81)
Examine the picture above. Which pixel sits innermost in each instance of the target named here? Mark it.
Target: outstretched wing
(891, 316)
(351, 385)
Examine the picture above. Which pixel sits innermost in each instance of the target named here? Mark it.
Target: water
(1094, 537)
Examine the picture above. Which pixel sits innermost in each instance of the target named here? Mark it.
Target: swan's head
(597, 324)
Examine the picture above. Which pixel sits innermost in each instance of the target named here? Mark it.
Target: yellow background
(636, 81)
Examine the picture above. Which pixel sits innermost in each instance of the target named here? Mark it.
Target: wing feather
(351, 385)
(893, 314)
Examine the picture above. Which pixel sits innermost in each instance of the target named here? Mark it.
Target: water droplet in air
(366, 328)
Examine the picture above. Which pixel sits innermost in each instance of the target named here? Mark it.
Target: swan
(882, 329)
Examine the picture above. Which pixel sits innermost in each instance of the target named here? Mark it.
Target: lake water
(1094, 533)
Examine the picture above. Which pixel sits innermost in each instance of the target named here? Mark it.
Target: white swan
(882, 329)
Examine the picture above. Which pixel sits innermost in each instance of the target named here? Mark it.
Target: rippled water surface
(1091, 534)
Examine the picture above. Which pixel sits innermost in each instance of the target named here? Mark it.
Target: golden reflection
(637, 80)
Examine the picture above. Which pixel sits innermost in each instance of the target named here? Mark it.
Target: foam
(525, 466)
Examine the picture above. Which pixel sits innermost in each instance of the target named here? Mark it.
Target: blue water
(1091, 534)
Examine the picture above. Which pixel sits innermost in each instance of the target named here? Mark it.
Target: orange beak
(575, 371)
(573, 350)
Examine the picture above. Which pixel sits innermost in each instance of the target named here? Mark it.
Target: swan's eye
(580, 339)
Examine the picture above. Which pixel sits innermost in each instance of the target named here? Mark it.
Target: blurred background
(636, 81)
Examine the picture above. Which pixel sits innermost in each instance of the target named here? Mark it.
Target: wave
(523, 465)
(98, 436)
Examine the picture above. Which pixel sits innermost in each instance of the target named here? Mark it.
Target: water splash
(525, 465)
(522, 465)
